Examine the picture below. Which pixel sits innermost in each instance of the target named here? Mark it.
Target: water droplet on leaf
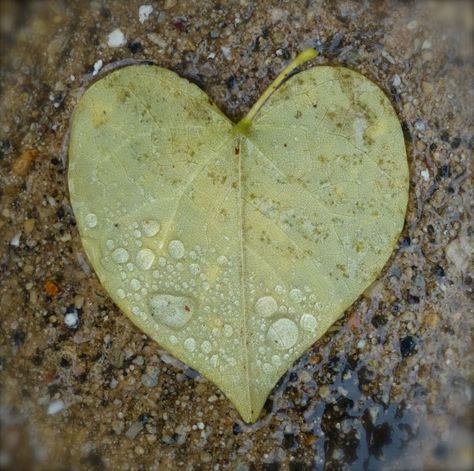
(150, 227)
(120, 255)
(222, 260)
(173, 311)
(176, 249)
(228, 330)
(296, 295)
(190, 344)
(282, 334)
(90, 220)
(308, 322)
(266, 306)
(145, 258)
(135, 284)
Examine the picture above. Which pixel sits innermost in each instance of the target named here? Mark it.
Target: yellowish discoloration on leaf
(236, 247)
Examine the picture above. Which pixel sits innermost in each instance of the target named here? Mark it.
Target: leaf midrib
(243, 309)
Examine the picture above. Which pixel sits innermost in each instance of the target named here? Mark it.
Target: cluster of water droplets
(171, 287)
(167, 286)
(283, 316)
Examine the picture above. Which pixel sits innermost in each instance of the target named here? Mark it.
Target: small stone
(15, 241)
(56, 406)
(134, 429)
(169, 4)
(226, 53)
(324, 391)
(29, 225)
(144, 12)
(426, 44)
(408, 346)
(97, 66)
(459, 253)
(118, 427)
(158, 40)
(396, 81)
(420, 125)
(116, 38)
(22, 164)
(427, 87)
(71, 319)
(431, 321)
(150, 378)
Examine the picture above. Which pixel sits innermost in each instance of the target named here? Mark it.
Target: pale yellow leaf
(236, 247)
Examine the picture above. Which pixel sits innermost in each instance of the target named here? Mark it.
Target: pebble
(396, 81)
(420, 125)
(426, 44)
(56, 406)
(134, 430)
(157, 39)
(226, 53)
(150, 378)
(459, 253)
(15, 241)
(324, 391)
(144, 12)
(71, 319)
(425, 175)
(116, 38)
(29, 225)
(408, 346)
(427, 87)
(22, 164)
(97, 66)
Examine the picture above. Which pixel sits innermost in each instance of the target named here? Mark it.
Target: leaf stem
(299, 60)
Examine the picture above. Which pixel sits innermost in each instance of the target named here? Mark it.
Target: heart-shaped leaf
(236, 247)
